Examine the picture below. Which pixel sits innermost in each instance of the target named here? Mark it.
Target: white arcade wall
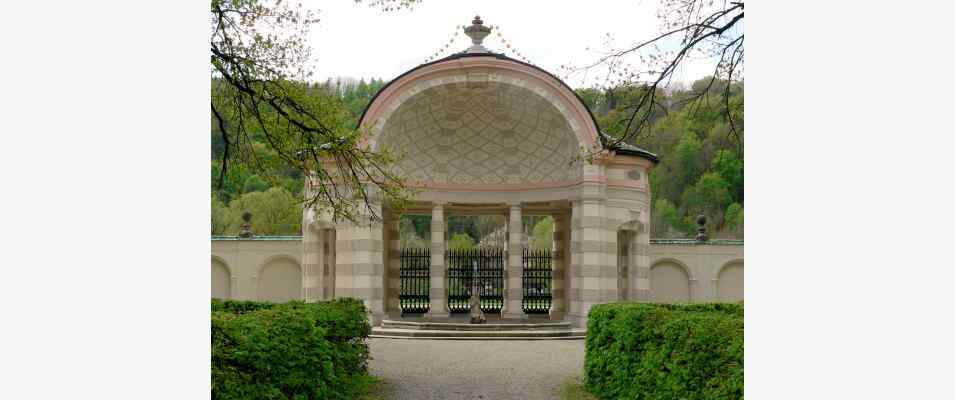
(681, 270)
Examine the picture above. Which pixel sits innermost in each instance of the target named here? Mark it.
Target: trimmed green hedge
(239, 306)
(659, 351)
(289, 351)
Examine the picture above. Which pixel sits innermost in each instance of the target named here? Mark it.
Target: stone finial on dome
(477, 32)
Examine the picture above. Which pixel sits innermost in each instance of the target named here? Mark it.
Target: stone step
(382, 332)
(464, 326)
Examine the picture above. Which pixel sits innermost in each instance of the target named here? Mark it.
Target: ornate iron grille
(415, 274)
(536, 281)
(488, 265)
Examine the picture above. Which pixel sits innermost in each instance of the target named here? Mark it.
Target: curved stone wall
(221, 280)
(729, 283)
(715, 268)
(264, 268)
(669, 283)
(280, 280)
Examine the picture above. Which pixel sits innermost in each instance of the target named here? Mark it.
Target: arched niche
(626, 260)
(221, 279)
(729, 282)
(481, 123)
(669, 282)
(492, 134)
(279, 280)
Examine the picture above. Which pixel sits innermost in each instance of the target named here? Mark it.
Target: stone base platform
(455, 328)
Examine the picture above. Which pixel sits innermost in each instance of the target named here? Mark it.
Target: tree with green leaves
(409, 235)
(270, 119)
(709, 196)
(698, 131)
(667, 221)
(733, 218)
(542, 236)
(254, 184)
(221, 218)
(691, 141)
(730, 166)
(274, 212)
(461, 241)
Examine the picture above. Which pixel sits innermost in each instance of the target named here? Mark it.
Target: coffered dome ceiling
(481, 134)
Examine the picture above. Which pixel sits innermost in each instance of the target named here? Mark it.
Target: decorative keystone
(246, 230)
(477, 32)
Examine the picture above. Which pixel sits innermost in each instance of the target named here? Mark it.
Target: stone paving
(474, 369)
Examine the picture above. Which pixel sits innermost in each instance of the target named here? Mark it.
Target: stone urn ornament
(246, 230)
(701, 228)
(477, 32)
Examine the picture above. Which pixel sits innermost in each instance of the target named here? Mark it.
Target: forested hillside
(275, 205)
(701, 167)
(701, 154)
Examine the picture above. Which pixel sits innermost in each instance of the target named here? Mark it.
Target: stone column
(439, 295)
(640, 261)
(593, 263)
(573, 267)
(360, 264)
(343, 268)
(561, 254)
(392, 263)
(515, 247)
(314, 256)
(328, 263)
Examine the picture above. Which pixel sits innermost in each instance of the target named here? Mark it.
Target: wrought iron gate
(487, 266)
(415, 274)
(536, 281)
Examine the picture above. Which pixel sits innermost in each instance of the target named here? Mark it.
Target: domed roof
(477, 31)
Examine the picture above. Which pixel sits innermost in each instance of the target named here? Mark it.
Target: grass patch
(573, 389)
(375, 388)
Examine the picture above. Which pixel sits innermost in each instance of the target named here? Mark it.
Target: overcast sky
(358, 41)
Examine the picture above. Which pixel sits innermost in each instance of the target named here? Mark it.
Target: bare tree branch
(702, 28)
(261, 96)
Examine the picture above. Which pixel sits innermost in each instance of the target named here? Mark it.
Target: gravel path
(475, 369)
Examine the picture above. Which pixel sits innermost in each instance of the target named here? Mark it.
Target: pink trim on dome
(455, 67)
(505, 187)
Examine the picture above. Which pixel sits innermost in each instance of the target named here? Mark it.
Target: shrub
(346, 324)
(239, 306)
(289, 351)
(657, 351)
(345, 317)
